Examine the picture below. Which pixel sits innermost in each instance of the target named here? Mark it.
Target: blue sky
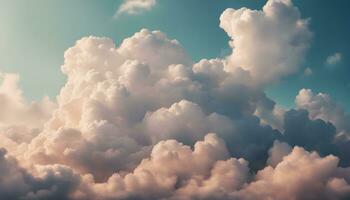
(35, 34)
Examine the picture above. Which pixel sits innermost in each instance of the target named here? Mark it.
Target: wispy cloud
(334, 59)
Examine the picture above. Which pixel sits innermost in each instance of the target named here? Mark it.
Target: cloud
(316, 134)
(277, 152)
(321, 106)
(334, 59)
(269, 43)
(51, 182)
(134, 7)
(295, 177)
(141, 120)
(174, 170)
(20, 121)
(177, 171)
(15, 109)
(111, 113)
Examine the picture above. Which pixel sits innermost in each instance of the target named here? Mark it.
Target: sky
(174, 100)
(34, 36)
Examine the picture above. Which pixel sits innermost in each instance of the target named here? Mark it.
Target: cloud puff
(133, 7)
(20, 121)
(334, 59)
(175, 171)
(51, 182)
(321, 106)
(269, 43)
(15, 109)
(295, 177)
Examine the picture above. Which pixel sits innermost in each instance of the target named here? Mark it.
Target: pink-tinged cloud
(141, 120)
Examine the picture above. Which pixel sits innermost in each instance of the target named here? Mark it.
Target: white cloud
(269, 43)
(334, 59)
(133, 7)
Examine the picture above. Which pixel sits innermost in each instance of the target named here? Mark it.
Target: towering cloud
(141, 120)
(269, 43)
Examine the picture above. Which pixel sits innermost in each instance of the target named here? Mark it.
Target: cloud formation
(175, 171)
(321, 106)
(141, 120)
(269, 43)
(134, 7)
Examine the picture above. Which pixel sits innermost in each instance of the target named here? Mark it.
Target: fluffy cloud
(133, 7)
(14, 108)
(299, 175)
(186, 122)
(51, 182)
(277, 152)
(321, 106)
(176, 171)
(112, 112)
(20, 121)
(129, 123)
(269, 43)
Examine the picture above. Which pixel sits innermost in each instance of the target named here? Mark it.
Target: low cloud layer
(141, 120)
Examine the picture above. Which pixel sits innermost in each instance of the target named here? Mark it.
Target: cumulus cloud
(20, 121)
(295, 177)
(15, 110)
(111, 113)
(141, 120)
(50, 182)
(269, 43)
(321, 106)
(334, 59)
(133, 7)
(176, 171)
